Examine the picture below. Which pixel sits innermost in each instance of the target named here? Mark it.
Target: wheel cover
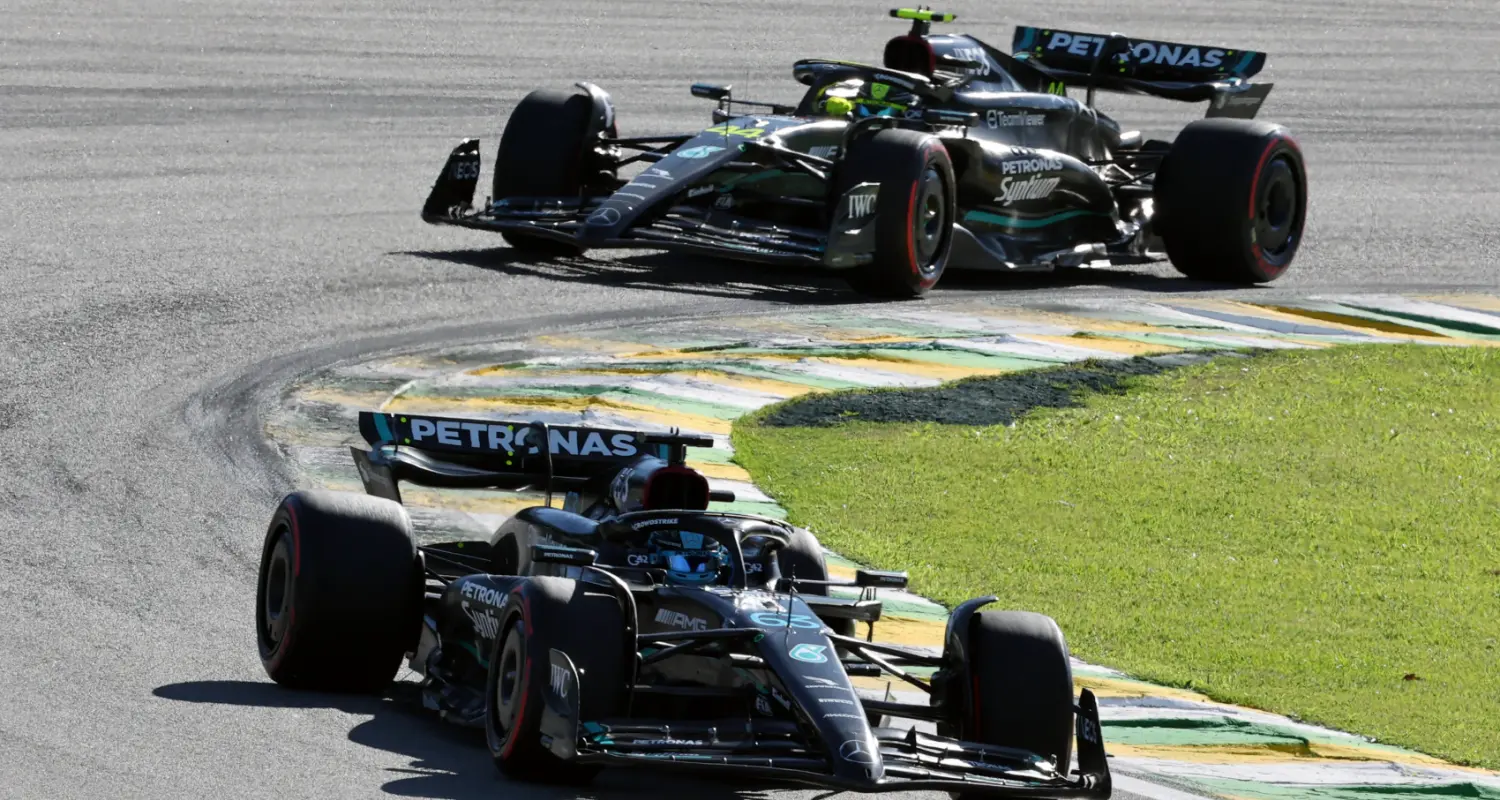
(276, 592)
(506, 698)
(1278, 210)
(930, 219)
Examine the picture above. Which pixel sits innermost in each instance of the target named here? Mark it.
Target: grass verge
(1315, 533)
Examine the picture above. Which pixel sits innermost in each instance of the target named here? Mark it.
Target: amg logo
(1034, 188)
(1022, 166)
(861, 205)
(1015, 119)
(559, 681)
(677, 619)
(485, 624)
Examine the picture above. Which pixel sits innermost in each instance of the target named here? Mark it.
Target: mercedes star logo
(855, 750)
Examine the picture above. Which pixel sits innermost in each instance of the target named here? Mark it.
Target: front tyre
(804, 558)
(338, 597)
(546, 150)
(543, 613)
(1022, 682)
(1231, 201)
(913, 214)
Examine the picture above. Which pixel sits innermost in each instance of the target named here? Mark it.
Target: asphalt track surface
(202, 200)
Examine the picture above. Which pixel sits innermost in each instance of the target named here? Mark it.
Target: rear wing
(1169, 70)
(454, 452)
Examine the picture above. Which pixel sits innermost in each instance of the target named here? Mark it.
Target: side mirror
(878, 579)
(709, 91)
(941, 116)
(559, 554)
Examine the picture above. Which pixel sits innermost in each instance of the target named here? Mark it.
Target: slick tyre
(1231, 201)
(804, 558)
(913, 212)
(339, 594)
(1023, 685)
(543, 613)
(544, 152)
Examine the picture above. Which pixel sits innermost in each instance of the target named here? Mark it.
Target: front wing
(770, 750)
(848, 242)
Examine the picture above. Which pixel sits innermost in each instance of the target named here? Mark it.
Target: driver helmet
(689, 558)
(861, 98)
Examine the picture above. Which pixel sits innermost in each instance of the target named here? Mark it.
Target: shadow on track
(446, 761)
(783, 283)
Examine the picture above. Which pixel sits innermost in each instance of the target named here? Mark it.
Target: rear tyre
(1019, 668)
(804, 558)
(1231, 201)
(545, 613)
(914, 211)
(545, 151)
(339, 594)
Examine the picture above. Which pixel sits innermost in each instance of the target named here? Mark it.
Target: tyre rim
(507, 679)
(929, 220)
(1277, 210)
(277, 593)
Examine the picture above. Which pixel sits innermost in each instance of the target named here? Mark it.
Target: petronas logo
(878, 90)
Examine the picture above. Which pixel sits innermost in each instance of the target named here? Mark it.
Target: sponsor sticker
(485, 624)
(1158, 53)
(484, 594)
(861, 205)
(1030, 161)
(560, 681)
(1035, 187)
(996, 118)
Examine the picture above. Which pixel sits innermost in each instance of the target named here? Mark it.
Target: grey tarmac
(202, 200)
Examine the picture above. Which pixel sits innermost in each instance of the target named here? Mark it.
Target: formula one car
(634, 626)
(949, 153)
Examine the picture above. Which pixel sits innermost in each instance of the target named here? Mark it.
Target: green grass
(1298, 532)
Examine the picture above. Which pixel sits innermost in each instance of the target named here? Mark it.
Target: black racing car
(949, 153)
(632, 626)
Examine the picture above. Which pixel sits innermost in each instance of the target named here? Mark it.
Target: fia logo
(861, 205)
(560, 681)
(723, 201)
(811, 653)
